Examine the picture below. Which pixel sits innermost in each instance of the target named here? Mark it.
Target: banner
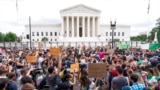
(144, 46)
(123, 46)
(96, 70)
(155, 46)
(31, 59)
(55, 51)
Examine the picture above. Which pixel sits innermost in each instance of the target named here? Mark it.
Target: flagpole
(17, 14)
(148, 18)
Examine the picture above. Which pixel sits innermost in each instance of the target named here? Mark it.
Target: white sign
(144, 46)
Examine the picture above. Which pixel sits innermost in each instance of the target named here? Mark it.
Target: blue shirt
(137, 86)
(12, 86)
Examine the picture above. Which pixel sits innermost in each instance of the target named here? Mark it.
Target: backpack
(42, 84)
(126, 88)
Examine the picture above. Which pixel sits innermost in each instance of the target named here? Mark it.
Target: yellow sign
(55, 51)
(37, 52)
(74, 67)
(31, 59)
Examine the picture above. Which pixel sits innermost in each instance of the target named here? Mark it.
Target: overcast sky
(130, 12)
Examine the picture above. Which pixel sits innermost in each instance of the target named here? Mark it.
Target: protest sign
(31, 59)
(55, 51)
(74, 67)
(144, 46)
(20, 53)
(96, 70)
(107, 47)
(110, 51)
(36, 54)
(40, 45)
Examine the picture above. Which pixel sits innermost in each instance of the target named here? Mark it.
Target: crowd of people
(130, 69)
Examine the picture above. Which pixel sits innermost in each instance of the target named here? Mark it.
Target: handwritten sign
(31, 59)
(20, 53)
(74, 67)
(96, 70)
(55, 51)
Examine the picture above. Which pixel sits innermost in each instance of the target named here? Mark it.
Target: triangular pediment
(80, 8)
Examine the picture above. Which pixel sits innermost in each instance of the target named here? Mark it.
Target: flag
(16, 5)
(148, 7)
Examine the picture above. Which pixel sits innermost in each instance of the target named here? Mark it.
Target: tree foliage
(1, 37)
(155, 29)
(151, 34)
(116, 40)
(44, 39)
(10, 37)
(142, 37)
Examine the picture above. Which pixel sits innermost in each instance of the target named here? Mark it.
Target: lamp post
(30, 31)
(113, 27)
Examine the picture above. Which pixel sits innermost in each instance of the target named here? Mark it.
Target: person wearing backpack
(52, 80)
(67, 80)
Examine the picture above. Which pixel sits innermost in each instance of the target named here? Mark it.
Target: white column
(83, 26)
(93, 26)
(67, 31)
(77, 26)
(88, 26)
(98, 25)
(62, 27)
(72, 26)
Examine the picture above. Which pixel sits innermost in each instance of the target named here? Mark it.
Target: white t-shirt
(40, 60)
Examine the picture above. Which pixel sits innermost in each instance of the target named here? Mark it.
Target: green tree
(116, 40)
(1, 37)
(142, 37)
(155, 29)
(10, 37)
(44, 39)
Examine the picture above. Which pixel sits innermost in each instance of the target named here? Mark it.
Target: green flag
(123, 46)
(155, 46)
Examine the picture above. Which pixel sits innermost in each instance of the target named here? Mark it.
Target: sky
(126, 12)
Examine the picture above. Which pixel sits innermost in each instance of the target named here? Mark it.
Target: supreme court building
(79, 23)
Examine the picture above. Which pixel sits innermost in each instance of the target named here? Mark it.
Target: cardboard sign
(96, 70)
(31, 59)
(55, 51)
(40, 45)
(110, 51)
(145, 63)
(37, 52)
(20, 53)
(74, 67)
(107, 47)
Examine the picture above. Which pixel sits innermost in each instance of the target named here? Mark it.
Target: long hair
(85, 81)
